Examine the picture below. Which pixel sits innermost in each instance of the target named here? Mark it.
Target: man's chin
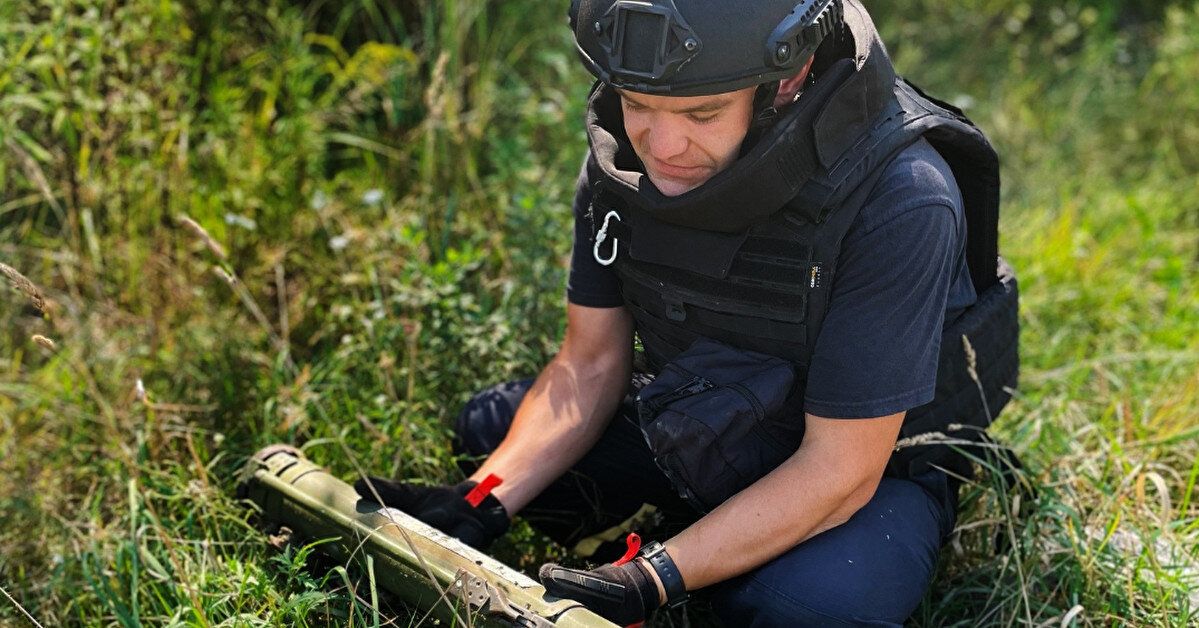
(673, 187)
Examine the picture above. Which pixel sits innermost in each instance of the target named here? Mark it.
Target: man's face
(685, 140)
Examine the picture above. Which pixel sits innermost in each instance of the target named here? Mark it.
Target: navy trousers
(869, 571)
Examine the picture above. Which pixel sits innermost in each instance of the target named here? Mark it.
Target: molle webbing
(757, 298)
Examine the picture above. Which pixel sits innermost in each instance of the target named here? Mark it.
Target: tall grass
(380, 199)
(1096, 133)
(343, 182)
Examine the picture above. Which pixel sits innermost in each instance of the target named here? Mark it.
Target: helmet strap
(764, 111)
(764, 114)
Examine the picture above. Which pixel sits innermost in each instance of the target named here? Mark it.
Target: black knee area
(486, 417)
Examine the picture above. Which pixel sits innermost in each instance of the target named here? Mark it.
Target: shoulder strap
(975, 166)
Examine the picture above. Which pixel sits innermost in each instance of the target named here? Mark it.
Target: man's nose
(666, 138)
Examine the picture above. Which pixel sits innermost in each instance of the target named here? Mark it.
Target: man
(757, 176)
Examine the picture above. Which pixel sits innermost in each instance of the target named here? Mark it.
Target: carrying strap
(975, 166)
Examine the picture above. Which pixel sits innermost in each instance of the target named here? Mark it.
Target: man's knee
(760, 602)
(870, 571)
(486, 417)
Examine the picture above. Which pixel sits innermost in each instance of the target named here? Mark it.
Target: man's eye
(701, 119)
(632, 106)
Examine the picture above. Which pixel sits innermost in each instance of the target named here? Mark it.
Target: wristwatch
(668, 573)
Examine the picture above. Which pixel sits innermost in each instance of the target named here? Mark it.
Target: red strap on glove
(483, 489)
(634, 545)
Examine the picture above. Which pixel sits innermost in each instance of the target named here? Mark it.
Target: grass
(380, 184)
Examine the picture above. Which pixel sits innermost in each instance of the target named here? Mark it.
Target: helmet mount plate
(646, 41)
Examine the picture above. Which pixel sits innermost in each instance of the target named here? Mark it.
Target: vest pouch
(715, 419)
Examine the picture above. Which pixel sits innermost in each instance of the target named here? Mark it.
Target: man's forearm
(569, 406)
(560, 419)
(818, 488)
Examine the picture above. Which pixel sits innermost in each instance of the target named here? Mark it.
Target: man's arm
(833, 474)
(568, 407)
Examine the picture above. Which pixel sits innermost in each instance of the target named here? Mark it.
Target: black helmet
(699, 47)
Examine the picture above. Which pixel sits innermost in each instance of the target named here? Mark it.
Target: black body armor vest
(749, 257)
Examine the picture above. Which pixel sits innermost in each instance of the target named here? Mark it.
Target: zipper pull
(698, 385)
(693, 386)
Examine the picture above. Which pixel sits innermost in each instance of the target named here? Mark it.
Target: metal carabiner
(603, 236)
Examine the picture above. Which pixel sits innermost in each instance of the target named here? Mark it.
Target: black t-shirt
(900, 278)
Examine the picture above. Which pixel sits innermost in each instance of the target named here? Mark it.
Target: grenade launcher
(422, 566)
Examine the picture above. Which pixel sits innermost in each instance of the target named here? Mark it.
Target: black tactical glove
(444, 508)
(624, 594)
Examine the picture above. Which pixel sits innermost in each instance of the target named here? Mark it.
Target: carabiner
(601, 237)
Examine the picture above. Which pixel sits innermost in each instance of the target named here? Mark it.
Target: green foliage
(385, 189)
(1089, 115)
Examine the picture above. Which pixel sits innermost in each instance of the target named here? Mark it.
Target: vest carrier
(759, 277)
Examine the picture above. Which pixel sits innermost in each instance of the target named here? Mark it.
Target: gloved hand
(624, 594)
(444, 508)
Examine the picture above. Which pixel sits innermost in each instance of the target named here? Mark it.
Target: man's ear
(789, 87)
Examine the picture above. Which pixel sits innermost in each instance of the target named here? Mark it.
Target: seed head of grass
(44, 341)
(25, 286)
(202, 234)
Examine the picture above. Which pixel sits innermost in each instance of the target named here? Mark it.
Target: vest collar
(807, 140)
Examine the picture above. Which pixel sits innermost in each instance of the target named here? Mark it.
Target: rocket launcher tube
(408, 555)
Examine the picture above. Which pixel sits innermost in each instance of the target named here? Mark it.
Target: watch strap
(672, 581)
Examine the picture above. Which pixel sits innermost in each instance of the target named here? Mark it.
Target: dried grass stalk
(26, 286)
(198, 231)
(44, 341)
(224, 275)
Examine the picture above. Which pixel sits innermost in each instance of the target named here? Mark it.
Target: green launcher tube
(419, 564)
